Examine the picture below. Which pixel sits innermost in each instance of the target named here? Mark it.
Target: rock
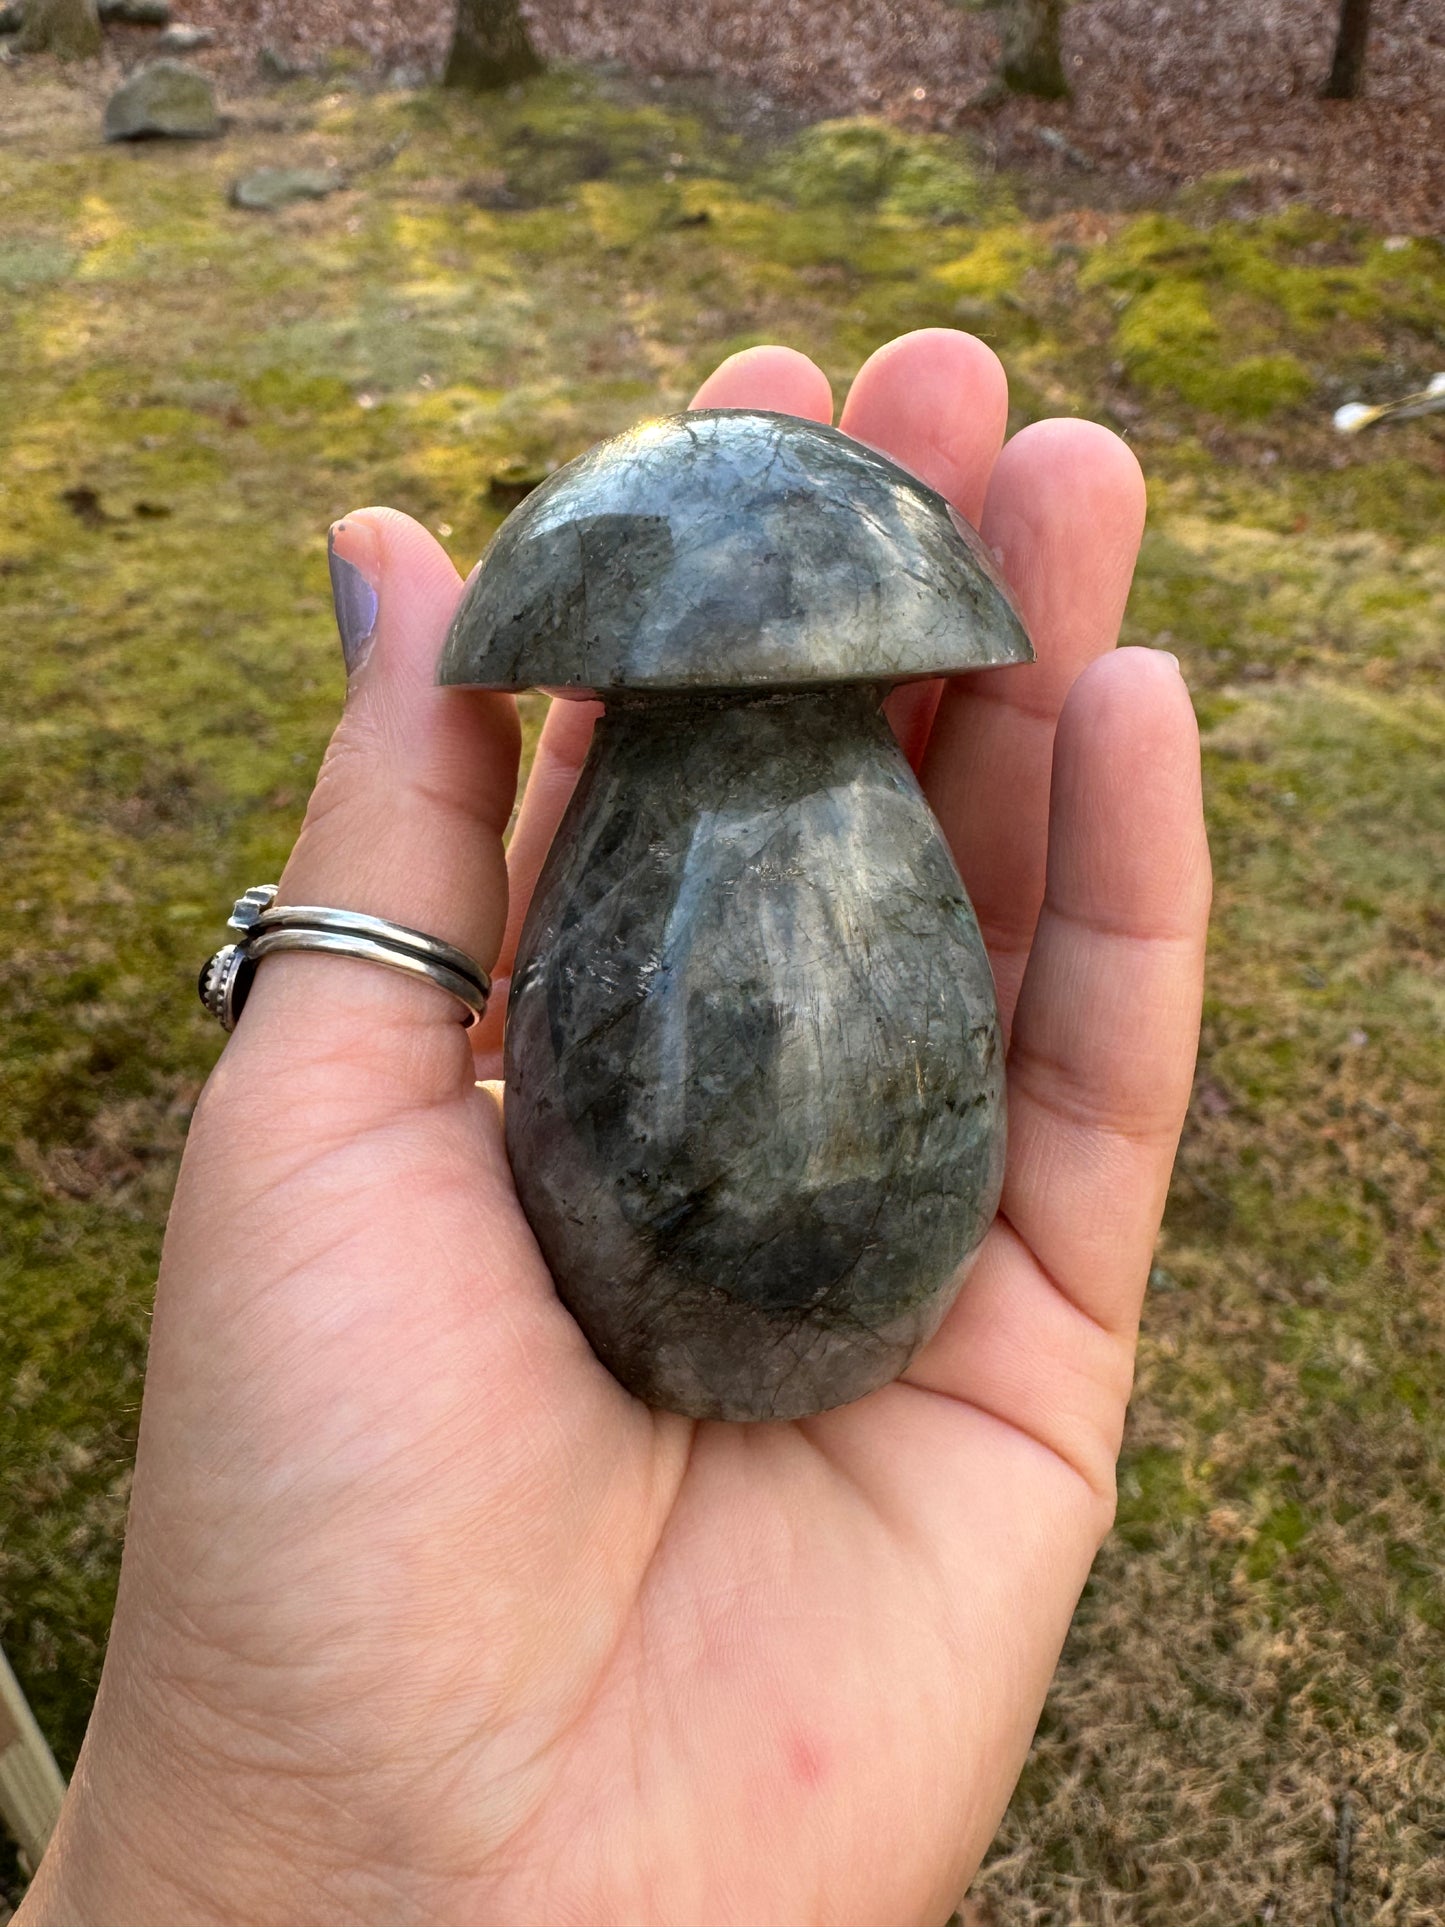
(164, 101)
(182, 39)
(135, 13)
(272, 187)
(68, 29)
(754, 1072)
(655, 588)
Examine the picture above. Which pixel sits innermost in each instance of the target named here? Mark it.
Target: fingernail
(1170, 656)
(356, 605)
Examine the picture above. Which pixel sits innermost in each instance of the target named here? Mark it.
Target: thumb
(405, 822)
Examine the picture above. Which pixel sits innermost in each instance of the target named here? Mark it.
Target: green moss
(868, 164)
(1278, 1534)
(1303, 268)
(995, 264)
(1158, 1494)
(1226, 316)
(935, 183)
(1170, 341)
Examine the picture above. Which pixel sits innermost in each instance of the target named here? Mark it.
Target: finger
(1065, 513)
(1103, 1052)
(936, 401)
(561, 751)
(768, 377)
(405, 822)
(756, 378)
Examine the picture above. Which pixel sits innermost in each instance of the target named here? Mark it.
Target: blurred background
(296, 271)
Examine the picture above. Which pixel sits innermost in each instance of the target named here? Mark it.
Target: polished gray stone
(754, 1076)
(730, 549)
(754, 1079)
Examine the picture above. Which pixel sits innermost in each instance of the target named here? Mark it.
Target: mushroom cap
(730, 549)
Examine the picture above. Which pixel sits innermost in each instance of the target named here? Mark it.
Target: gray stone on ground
(272, 187)
(68, 29)
(183, 39)
(135, 13)
(164, 101)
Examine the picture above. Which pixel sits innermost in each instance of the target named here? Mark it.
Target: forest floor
(1164, 92)
(189, 394)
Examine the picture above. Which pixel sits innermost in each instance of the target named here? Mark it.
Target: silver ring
(225, 980)
(380, 929)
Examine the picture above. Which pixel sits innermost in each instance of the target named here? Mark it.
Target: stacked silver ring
(225, 980)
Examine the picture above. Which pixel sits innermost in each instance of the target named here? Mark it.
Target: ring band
(347, 943)
(225, 980)
(381, 930)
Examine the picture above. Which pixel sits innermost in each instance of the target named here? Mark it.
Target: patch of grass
(189, 394)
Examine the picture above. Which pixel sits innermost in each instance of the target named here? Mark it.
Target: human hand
(422, 1617)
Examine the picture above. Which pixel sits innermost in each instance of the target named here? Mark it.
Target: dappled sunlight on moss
(994, 264)
(1203, 310)
(871, 165)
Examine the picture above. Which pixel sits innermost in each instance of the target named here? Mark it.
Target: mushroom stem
(755, 1091)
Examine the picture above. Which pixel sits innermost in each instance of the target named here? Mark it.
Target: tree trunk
(1347, 76)
(69, 29)
(1032, 63)
(490, 47)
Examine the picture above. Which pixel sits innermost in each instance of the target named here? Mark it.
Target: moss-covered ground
(189, 394)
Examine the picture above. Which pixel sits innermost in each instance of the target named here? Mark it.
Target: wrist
(92, 1876)
(127, 1846)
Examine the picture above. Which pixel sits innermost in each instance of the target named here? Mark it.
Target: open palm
(422, 1617)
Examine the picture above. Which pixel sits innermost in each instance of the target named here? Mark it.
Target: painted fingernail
(356, 605)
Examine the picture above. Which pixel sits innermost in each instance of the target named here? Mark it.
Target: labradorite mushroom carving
(753, 1069)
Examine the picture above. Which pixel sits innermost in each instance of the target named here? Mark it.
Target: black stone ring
(225, 979)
